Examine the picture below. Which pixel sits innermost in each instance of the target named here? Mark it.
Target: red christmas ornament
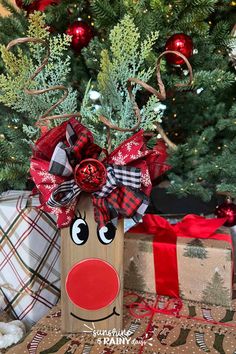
(22, 6)
(179, 42)
(81, 34)
(90, 175)
(227, 210)
(37, 5)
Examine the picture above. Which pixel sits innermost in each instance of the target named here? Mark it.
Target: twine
(46, 116)
(161, 94)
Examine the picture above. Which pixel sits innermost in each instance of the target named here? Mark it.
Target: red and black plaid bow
(128, 182)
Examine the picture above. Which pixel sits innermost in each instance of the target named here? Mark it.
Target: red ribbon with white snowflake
(67, 162)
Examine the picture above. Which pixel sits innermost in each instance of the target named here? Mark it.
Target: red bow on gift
(164, 244)
(66, 162)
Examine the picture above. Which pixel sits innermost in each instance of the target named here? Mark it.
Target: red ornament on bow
(90, 175)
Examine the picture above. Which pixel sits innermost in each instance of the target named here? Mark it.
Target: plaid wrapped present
(29, 258)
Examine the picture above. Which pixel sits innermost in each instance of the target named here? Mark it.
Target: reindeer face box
(89, 196)
(92, 272)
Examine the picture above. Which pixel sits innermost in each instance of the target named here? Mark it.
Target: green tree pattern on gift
(133, 279)
(195, 249)
(215, 291)
(229, 255)
(181, 293)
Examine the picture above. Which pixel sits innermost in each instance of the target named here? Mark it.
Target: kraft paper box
(204, 267)
(233, 233)
(29, 258)
(210, 329)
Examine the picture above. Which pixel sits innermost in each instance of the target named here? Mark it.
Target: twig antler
(162, 133)
(45, 116)
(161, 95)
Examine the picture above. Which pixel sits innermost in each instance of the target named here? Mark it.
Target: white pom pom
(11, 333)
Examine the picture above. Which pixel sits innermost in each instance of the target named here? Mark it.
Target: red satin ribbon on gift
(164, 244)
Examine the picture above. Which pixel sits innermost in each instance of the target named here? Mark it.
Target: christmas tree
(200, 120)
(133, 279)
(195, 249)
(215, 291)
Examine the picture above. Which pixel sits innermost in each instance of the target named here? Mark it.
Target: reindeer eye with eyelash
(79, 231)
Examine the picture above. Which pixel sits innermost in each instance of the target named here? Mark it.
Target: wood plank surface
(71, 254)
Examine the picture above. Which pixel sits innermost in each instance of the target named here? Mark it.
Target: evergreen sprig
(19, 68)
(200, 120)
(125, 59)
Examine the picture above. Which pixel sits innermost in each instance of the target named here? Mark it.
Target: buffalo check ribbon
(128, 180)
(117, 176)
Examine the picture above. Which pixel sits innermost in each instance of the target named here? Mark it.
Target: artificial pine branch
(124, 60)
(201, 121)
(20, 67)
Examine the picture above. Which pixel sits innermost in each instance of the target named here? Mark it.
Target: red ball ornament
(90, 175)
(227, 210)
(22, 6)
(179, 42)
(37, 5)
(81, 34)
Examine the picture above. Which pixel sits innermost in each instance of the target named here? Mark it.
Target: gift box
(188, 259)
(191, 329)
(233, 233)
(29, 258)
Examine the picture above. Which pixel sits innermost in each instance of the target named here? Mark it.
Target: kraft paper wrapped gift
(29, 258)
(194, 329)
(201, 271)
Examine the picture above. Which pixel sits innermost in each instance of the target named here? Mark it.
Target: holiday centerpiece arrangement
(93, 168)
(91, 188)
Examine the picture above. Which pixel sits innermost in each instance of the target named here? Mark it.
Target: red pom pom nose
(92, 284)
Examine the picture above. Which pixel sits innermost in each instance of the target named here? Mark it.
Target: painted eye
(107, 233)
(79, 231)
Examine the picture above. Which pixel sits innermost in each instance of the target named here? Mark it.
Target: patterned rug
(196, 328)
